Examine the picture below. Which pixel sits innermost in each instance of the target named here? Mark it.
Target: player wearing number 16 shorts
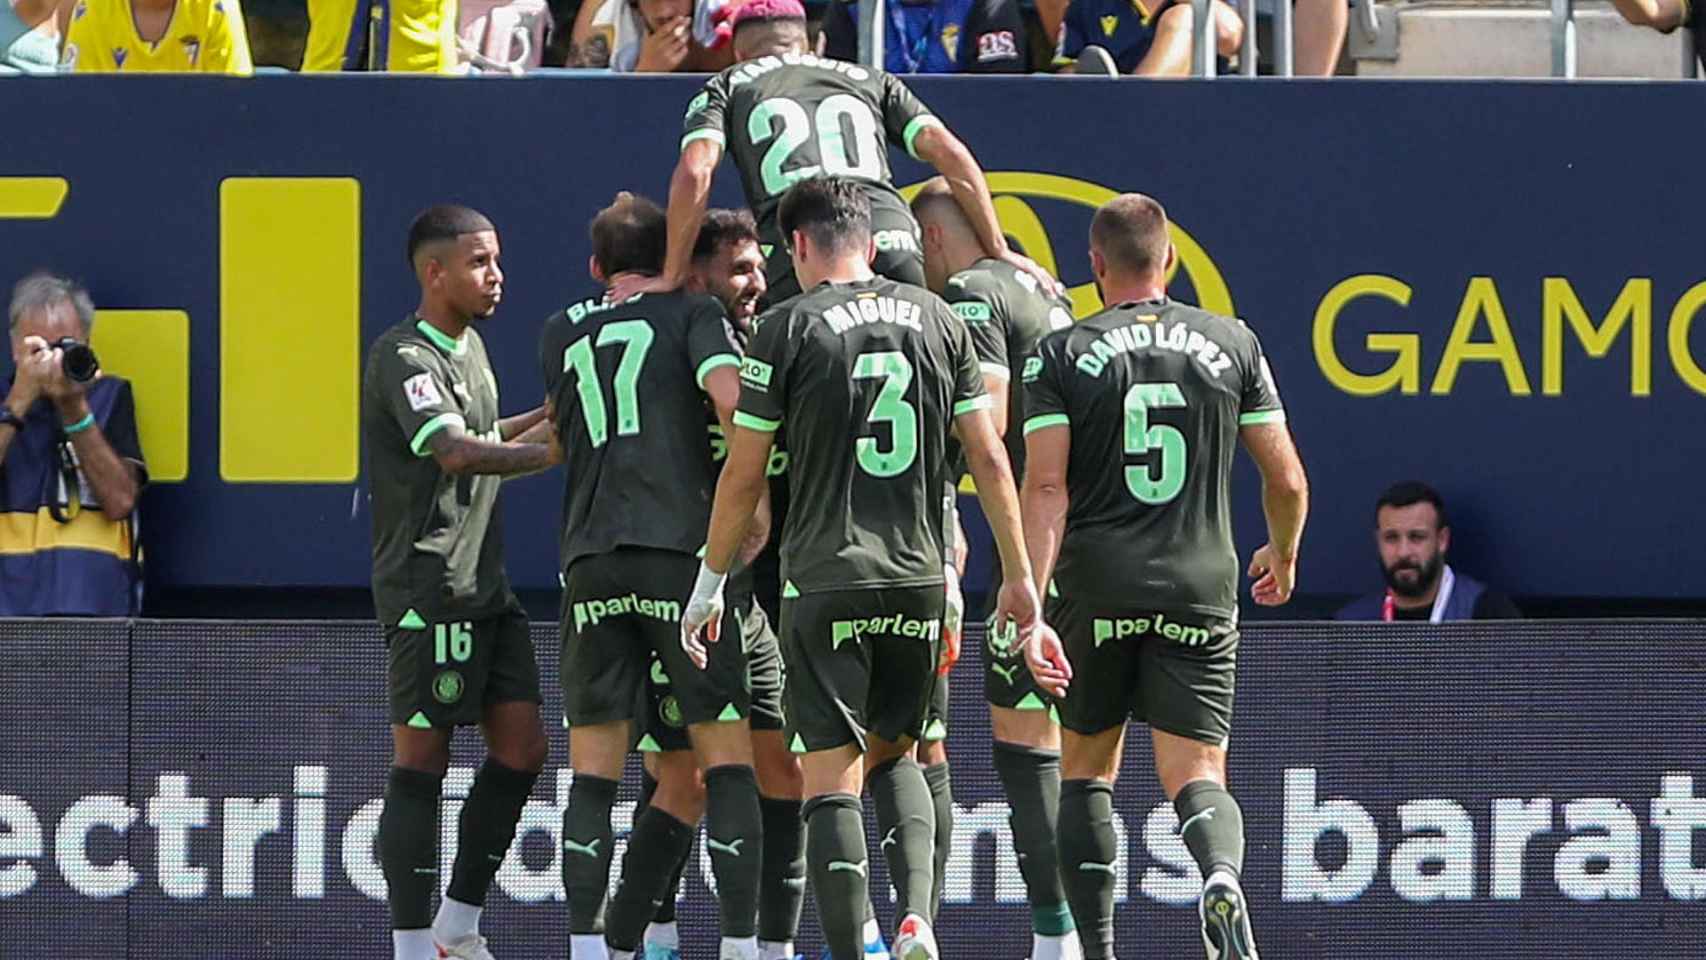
(785, 115)
(1132, 417)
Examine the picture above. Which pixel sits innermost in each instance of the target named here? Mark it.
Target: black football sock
(734, 833)
(666, 910)
(906, 826)
(486, 828)
(1031, 779)
(942, 798)
(656, 845)
(408, 845)
(782, 890)
(837, 861)
(1088, 851)
(1212, 826)
(587, 841)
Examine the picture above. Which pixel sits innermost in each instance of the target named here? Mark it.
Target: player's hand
(633, 285)
(702, 618)
(1017, 607)
(1045, 279)
(1046, 657)
(666, 47)
(1275, 576)
(953, 621)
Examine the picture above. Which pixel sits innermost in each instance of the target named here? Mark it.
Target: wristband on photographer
(72, 429)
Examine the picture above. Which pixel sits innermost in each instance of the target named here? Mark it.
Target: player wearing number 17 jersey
(1132, 417)
(784, 116)
(626, 383)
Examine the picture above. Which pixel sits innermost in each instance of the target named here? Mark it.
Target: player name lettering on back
(1156, 335)
(753, 69)
(874, 309)
(586, 308)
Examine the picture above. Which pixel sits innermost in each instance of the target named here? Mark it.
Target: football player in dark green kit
(1006, 312)
(869, 377)
(784, 115)
(629, 385)
(1131, 420)
(459, 649)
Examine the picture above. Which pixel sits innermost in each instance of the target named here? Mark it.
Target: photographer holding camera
(70, 464)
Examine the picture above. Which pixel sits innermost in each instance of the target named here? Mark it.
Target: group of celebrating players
(763, 417)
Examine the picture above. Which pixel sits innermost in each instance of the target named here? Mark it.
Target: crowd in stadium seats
(1143, 37)
(1097, 37)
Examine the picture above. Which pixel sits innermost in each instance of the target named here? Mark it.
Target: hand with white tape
(704, 612)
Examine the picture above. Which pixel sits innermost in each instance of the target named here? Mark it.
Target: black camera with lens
(78, 359)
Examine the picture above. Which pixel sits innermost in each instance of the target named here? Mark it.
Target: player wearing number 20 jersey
(786, 118)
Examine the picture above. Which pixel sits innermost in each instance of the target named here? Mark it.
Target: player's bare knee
(722, 743)
(1091, 757)
(932, 752)
(1179, 761)
(681, 790)
(779, 776)
(599, 750)
(1024, 728)
(425, 750)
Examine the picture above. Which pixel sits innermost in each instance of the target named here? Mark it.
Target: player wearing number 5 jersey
(868, 376)
(626, 383)
(785, 115)
(1131, 420)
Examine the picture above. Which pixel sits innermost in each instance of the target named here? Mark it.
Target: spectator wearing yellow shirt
(157, 36)
(401, 36)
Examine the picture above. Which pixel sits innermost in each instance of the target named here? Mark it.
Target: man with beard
(1413, 536)
(727, 265)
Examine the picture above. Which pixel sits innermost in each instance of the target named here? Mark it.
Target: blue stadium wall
(1490, 286)
(207, 791)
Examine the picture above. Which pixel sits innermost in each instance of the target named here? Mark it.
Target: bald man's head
(1129, 232)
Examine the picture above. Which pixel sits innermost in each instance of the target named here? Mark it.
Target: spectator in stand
(157, 36)
(70, 467)
(1143, 38)
(29, 39)
(653, 36)
(1665, 16)
(397, 36)
(1413, 535)
(935, 36)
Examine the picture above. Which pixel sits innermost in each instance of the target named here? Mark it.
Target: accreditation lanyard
(1447, 581)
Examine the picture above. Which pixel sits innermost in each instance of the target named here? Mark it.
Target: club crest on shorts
(670, 712)
(447, 687)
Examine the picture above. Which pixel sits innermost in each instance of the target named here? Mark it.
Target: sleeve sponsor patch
(972, 312)
(1033, 369)
(756, 372)
(698, 103)
(422, 392)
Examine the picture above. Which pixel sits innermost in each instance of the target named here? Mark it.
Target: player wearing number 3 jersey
(868, 376)
(785, 116)
(1132, 416)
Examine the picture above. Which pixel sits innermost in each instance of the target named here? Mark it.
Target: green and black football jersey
(867, 377)
(1154, 394)
(437, 538)
(1006, 314)
(785, 119)
(625, 381)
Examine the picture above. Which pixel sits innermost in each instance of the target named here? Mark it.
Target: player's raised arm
(460, 452)
(936, 145)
